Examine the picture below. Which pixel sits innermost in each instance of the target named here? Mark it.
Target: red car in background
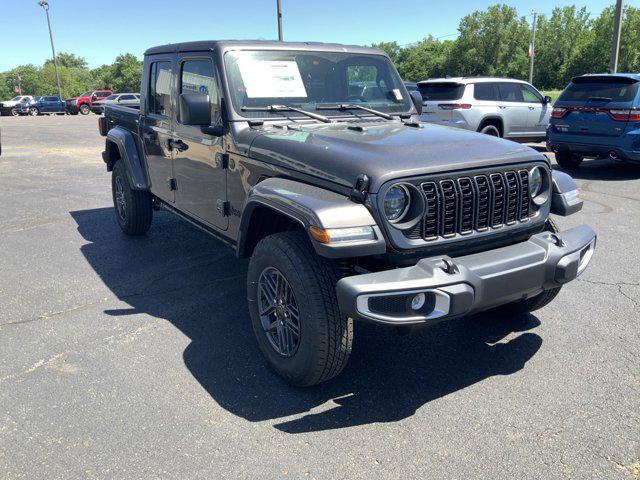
(83, 102)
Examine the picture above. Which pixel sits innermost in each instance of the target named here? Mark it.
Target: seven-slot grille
(460, 206)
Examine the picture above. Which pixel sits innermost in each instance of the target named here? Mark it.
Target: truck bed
(122, 116)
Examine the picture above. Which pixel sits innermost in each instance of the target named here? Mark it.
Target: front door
(539, 111)
(197, 162)
(155, 130)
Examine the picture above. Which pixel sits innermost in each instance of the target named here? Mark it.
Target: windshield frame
(236, 114)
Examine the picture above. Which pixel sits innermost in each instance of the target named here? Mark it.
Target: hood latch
(359, 191)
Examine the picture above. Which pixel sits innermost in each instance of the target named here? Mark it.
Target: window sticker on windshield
(272, 78)
(396, 94)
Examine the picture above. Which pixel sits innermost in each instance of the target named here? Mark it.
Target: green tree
(491, 42)
(560, 41)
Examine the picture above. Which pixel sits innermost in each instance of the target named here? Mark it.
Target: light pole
(45, 6)
(615, 39)
(279, 20)
(532, 47)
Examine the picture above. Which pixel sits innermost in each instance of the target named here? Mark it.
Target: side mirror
(195, 109)
(547, 99)
(416, 96)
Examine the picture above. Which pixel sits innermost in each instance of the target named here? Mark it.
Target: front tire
(133, 208)
(568, 160)
(84, 109)
(291, 293)
(14, 112)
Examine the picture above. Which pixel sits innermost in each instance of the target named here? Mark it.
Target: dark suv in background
(596, 116)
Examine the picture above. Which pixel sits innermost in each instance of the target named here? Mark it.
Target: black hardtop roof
(208, 45)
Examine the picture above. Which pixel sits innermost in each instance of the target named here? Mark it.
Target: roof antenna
(279, 20)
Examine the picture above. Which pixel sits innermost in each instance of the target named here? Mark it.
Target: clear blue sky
(98, 30)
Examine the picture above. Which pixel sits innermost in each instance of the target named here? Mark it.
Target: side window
(159, 101)
(510, 92)
(127, 97)
(530, 95)
(486, 91)
(197, 76)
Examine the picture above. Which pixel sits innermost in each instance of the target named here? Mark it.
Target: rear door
(199, 168)
(515, 112)
(155, 131)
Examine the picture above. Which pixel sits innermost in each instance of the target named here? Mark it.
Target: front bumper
(468, 284)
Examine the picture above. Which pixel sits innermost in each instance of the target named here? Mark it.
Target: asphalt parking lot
(134, 357)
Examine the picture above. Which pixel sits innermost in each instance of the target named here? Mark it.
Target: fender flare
(564, 196)
(308, 206)
(128, 147)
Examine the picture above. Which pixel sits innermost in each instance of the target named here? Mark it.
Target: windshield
(85, 94)
(112, 97)
(15, 99)
(307, 80)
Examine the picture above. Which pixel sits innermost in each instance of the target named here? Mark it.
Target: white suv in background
(502, 107)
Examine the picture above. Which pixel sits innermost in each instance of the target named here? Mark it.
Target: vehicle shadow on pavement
(605, 169)
(181, 274)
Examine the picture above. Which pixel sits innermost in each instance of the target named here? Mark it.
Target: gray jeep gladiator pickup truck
(307, 158)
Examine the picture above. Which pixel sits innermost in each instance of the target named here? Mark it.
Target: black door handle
(151, 136)
(179, 145)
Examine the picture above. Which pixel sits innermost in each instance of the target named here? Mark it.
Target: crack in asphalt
(619, 286)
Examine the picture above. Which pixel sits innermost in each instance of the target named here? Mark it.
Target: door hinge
(171, 182)
(223, 160)
(224, 208)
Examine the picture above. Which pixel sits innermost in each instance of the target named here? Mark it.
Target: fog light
(417, 302)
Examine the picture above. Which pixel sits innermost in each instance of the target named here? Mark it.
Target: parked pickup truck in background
(502, 107)
(347, 206)
(83, 103)
(597, 116)
(125, 99)
(43, 105)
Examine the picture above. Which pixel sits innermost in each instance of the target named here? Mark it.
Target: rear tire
(324, 336)
(568, 160)
(133, 208)
(84, 109)
(34, 112)
(540, 300)
(490, 130)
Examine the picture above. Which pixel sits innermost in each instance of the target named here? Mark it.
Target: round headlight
(396, 203)
(535, 181)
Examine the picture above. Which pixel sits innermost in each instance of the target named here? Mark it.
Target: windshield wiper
(350, 106)
(599, 99)
(286, 108)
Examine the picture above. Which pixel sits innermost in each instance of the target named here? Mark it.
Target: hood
(9, 103)
(341, 151)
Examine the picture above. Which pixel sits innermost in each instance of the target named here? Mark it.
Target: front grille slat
(466, 204)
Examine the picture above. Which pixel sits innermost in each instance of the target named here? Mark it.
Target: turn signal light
(340, 235)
